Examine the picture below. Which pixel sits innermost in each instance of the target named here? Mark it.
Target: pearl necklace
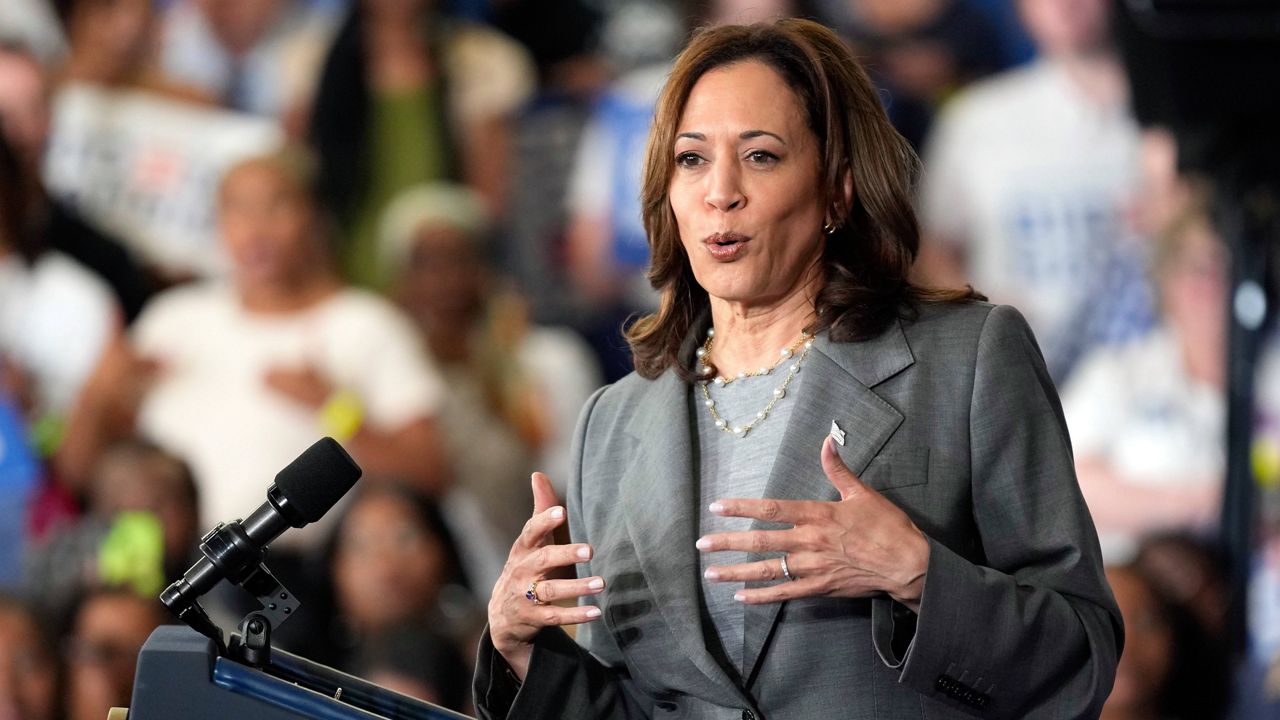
(806, 340)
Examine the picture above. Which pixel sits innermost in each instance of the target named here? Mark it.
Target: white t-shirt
(55, 318)
(1035, 182)
(1135, 407)
(211, 404)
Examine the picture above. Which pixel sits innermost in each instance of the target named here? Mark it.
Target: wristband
(342, 415)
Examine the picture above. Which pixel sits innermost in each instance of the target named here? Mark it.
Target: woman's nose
(724, 189)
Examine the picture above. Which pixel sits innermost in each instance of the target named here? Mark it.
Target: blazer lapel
(835, 387)
(661, 505)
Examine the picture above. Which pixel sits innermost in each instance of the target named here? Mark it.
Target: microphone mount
(303, 492)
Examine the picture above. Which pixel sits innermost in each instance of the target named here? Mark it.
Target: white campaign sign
(147, 168)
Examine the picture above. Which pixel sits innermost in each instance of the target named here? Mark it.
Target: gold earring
(829, 228)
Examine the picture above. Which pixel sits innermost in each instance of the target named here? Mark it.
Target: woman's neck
(748, 338)
(288, 298)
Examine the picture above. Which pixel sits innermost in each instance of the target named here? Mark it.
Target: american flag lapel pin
(837, 434)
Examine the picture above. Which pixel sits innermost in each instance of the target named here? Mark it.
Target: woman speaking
(824, 493)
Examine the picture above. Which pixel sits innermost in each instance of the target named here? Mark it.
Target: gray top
(730, 466)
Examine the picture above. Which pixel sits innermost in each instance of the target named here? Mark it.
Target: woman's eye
(761, 157)
(688, 159)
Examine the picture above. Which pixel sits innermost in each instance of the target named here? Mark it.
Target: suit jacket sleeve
(1025, 626)
(566, 679)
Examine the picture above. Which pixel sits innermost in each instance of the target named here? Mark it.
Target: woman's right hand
(514, 619)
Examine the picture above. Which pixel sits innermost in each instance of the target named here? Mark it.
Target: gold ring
(532, 594)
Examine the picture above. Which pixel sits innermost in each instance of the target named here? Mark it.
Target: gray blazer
(953, 417)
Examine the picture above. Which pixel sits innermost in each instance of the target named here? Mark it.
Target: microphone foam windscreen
(318, 478)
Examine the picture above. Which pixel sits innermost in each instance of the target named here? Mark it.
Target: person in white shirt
(1029, 185)
(239, 378)
(55, 315)
(1148, 419)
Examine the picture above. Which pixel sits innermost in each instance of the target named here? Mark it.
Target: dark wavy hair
(866, 260)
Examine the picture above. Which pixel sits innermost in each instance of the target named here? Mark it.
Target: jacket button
(748, 715)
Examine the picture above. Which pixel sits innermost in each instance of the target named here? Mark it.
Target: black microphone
(302, 493)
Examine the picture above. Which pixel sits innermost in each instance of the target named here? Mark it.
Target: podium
(181, 675)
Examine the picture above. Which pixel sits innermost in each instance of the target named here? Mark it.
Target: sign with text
(147, 169)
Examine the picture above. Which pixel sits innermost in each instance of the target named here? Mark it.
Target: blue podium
(181, 675)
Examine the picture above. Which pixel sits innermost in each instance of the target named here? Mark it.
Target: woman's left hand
(857, 547)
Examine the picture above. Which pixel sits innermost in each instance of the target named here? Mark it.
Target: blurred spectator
(136, 151)
(572, 69)
(55, 316)
(1147, 419)
(1167, 669)
(142, 508)
(919, 52)
(415, 660)
(239, 378)
(28, 667)
(518, 386)
(1028, 187)
(409, 96)
(102, 650)
(394, 563)
(113, 44)
(24, 124)
(255, 56)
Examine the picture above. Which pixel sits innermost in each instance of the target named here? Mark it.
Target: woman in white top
(239, 378)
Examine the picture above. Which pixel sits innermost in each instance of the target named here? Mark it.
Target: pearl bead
(721, 423)
(741, 375)
(737, 431)
(700, 352)
(795, 368)
(779, 392)
(765, 371)
(720, 380)
(705, 369)
(711, 332)
(786, 352)
(709, 403)
(808, 344)
(760, 415)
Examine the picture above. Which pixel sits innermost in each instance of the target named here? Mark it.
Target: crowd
(228, 227)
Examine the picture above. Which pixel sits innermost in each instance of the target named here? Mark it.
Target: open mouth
(726, 239)
(727, 245)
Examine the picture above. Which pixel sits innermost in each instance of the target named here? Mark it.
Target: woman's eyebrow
(746, 135)
(752, 134)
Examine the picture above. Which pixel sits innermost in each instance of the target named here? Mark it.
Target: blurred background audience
(228, 227)
(1029, 183)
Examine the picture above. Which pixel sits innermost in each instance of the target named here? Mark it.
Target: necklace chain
(806, 340)
(704, 355)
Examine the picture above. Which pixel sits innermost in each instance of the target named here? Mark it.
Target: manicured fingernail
(739, 597)
(703, 544)
(596, 583)
(593, 612)
(716, 507)
(584, 553)
(557, 512)
(711, 574)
